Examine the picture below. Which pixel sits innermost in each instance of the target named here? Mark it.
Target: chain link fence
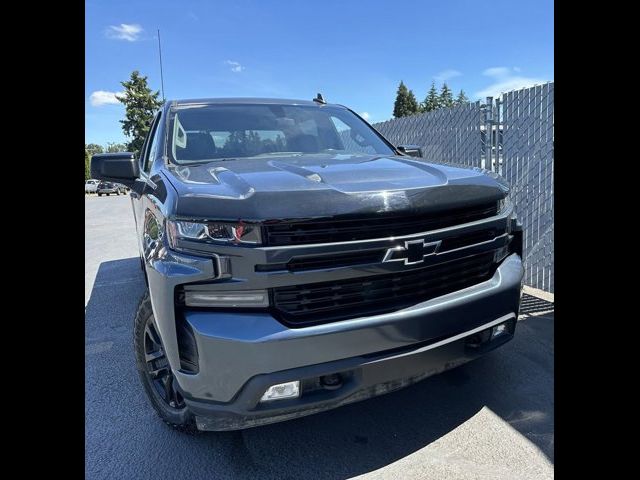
(512, 136)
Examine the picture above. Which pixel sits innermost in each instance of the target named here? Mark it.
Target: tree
(446, 97)
(87, 166)
(431, 101)
(462, 98)
(113, 147)
(414, 106)
(90, 150)
(406, 103)
(93, 148)
(140, 106)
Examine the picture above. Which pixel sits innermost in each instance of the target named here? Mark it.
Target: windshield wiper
(186, 163)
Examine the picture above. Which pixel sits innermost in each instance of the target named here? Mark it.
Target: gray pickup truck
(297, 261)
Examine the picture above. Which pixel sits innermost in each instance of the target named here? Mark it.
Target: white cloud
(445, 75)
(497, 71)
(365, 115)
(504, 80)
(124, 31)
(102, 97)
(236, 67)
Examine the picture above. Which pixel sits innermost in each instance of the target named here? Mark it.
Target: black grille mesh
(378, 226)
(340, 300)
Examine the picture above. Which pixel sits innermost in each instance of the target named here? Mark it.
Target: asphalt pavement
(489, 419)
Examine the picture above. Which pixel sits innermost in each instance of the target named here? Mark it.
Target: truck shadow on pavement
(124, 438)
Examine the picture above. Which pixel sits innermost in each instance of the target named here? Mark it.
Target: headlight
(218, 232)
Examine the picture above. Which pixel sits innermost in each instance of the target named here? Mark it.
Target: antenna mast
(161, 76)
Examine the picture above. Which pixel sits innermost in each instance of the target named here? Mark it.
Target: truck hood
(325, 185)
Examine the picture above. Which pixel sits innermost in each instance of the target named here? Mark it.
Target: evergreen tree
(446, 97)
(462, 98)
(140, 106)
(431, 101)
(406, 103)
(412, 104)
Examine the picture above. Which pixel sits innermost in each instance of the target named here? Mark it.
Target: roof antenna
(319, 99)
(160, 54)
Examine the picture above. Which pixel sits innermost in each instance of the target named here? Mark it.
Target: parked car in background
(123, 188)
(107, 188)
(91, 185)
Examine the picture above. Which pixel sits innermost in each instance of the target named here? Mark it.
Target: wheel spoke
(167, 382)
(156, 373)
(150, 357)
(152, 334)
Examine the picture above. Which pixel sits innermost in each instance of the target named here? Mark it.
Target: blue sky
(354, 52)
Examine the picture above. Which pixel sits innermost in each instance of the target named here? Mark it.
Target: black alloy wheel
(158, 369)
(156, 376)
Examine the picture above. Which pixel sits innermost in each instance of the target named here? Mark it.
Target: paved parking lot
(492, 418)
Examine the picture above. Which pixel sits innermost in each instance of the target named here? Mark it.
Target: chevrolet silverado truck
(297, 261)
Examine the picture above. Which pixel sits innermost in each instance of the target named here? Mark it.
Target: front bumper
(240, 354)
(363, 377)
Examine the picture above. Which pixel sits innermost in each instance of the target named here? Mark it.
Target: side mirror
(412, 150)
(120, 167)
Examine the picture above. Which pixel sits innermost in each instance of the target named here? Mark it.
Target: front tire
(155, 373)
(144, 271)
(99, 194)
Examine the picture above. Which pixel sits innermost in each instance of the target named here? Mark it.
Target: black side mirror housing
(412, 150)
(121, 167)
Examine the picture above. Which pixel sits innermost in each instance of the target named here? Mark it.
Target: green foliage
(140, 105)
(406, 103)
(93, 148)
(87, 166)
(462, 98)
(90, 150)
(431, 101)
(243, 143)
(113, 147)
(446, 96)
(277, 145)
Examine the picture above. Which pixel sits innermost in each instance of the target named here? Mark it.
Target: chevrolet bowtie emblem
(413, 251)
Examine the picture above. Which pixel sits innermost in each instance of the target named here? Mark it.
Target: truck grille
(325, 302)
(378, 226)
(371, 256)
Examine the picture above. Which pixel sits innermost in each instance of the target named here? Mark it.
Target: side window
(151, 148)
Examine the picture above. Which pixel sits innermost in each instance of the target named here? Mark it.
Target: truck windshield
(199, 133)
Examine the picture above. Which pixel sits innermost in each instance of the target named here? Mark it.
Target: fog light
(498, 330)
(252, 298)
(282, 391)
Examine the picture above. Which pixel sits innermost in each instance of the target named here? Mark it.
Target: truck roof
(245, 100)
